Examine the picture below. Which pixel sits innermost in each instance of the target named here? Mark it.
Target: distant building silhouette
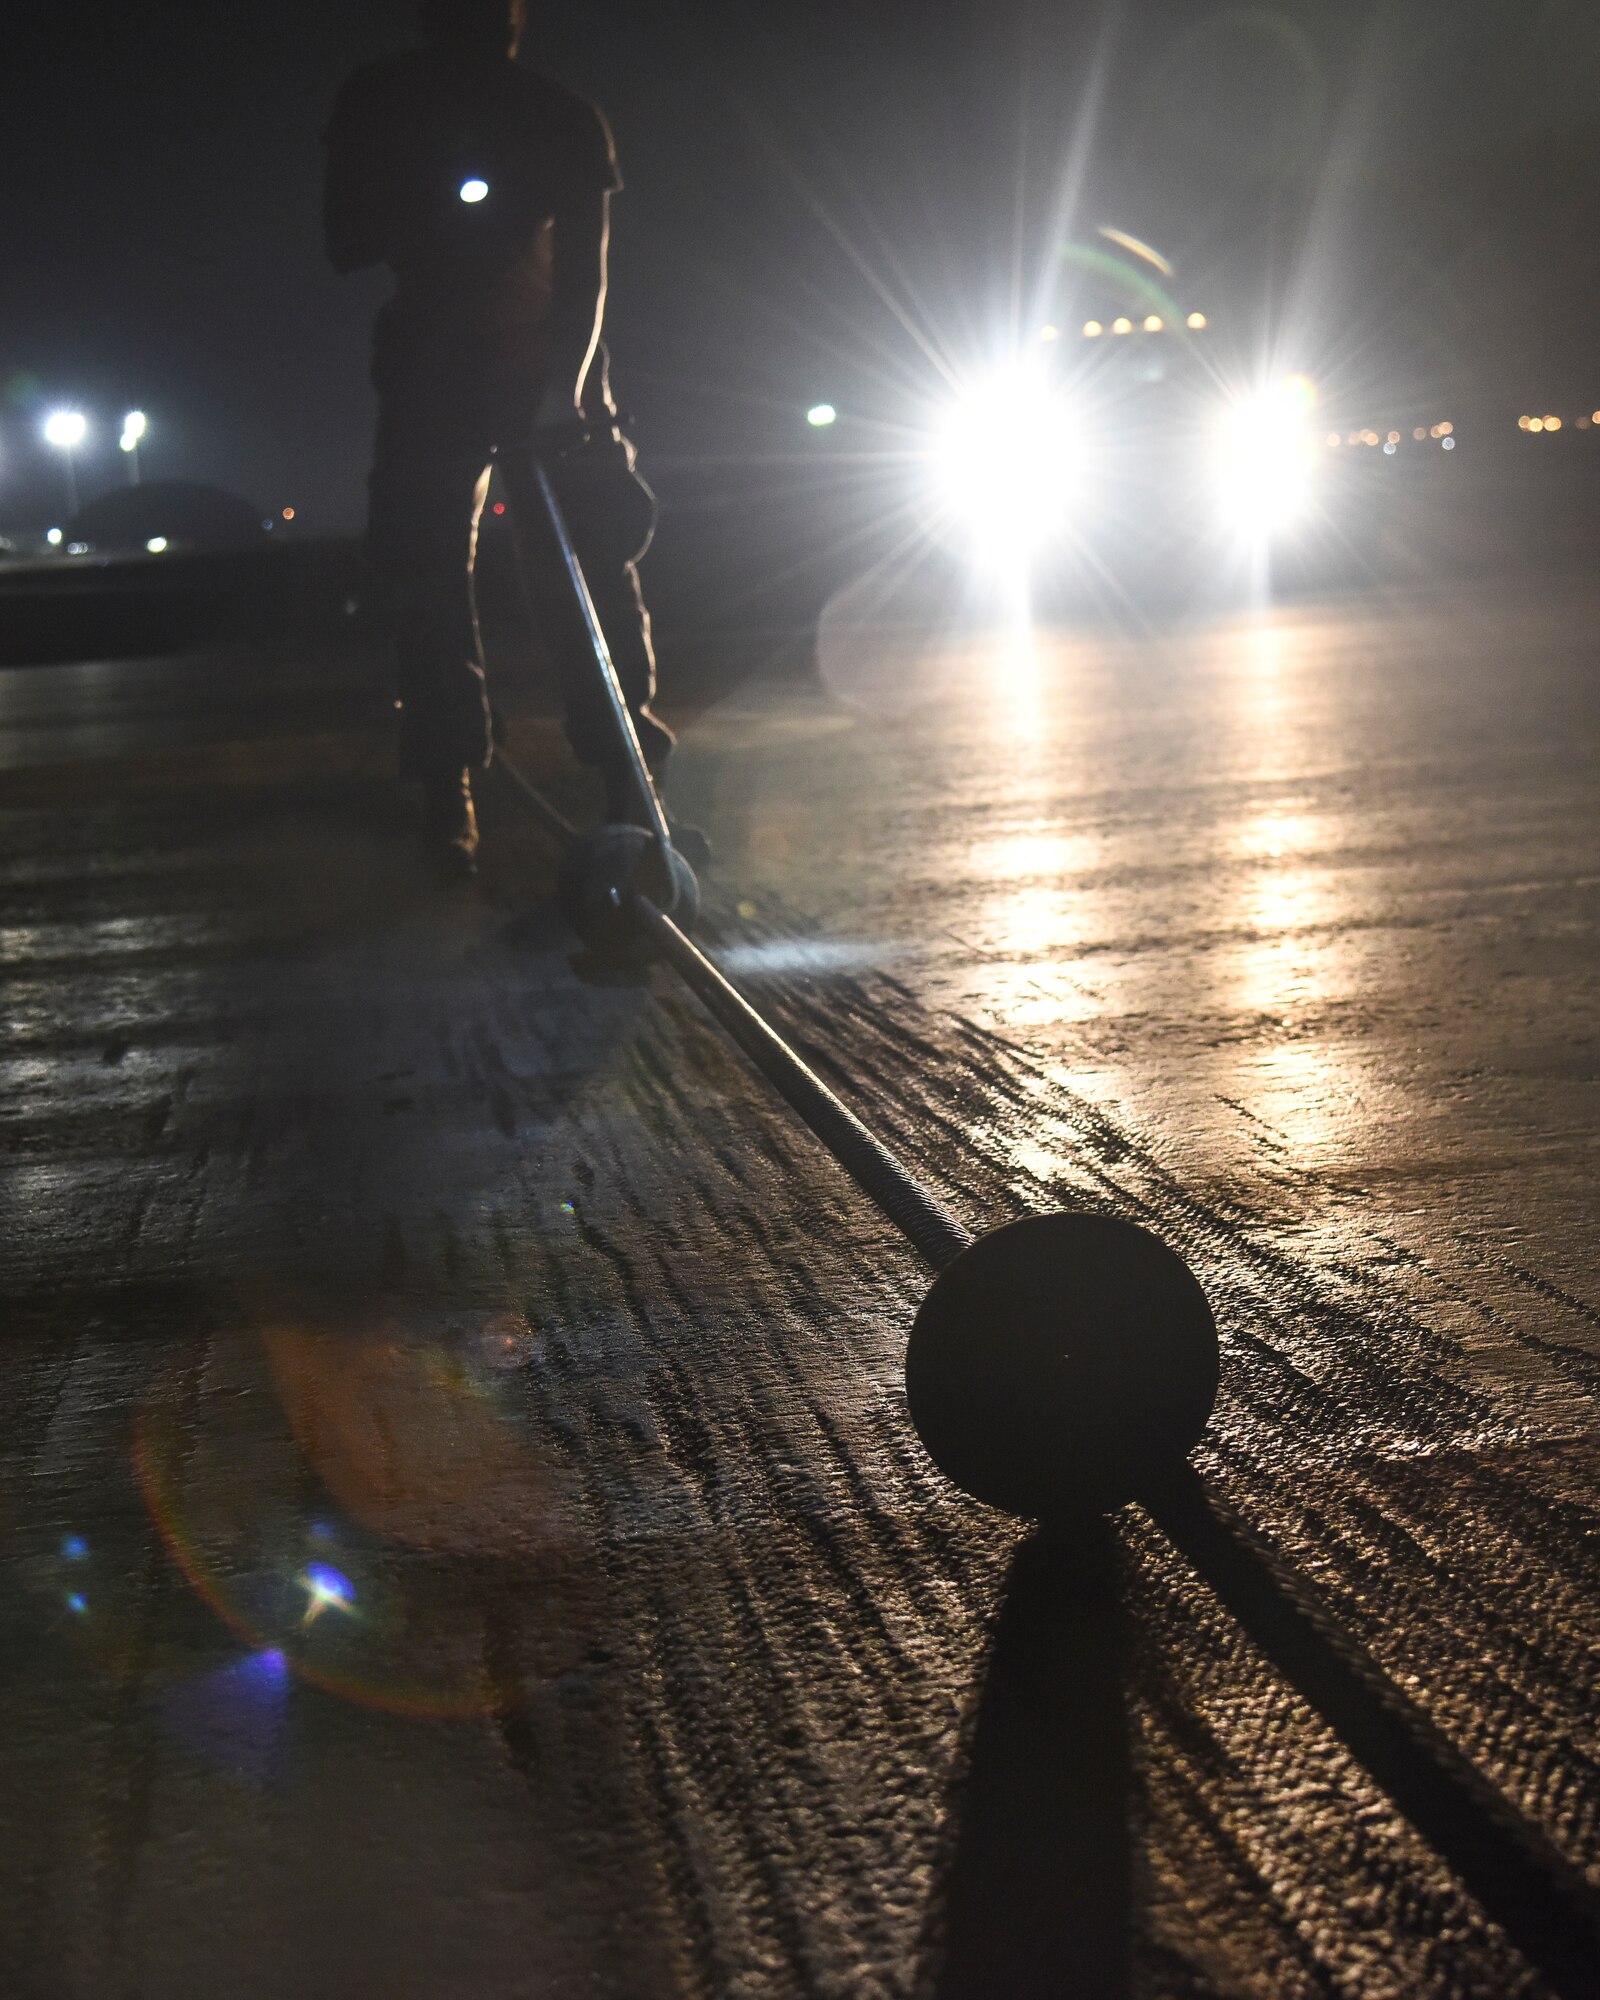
(184, 514)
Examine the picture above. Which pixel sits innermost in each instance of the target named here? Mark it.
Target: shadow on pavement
(1037, 1896)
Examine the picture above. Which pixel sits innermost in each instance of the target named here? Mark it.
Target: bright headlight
(1003, 464)
(1265, 454)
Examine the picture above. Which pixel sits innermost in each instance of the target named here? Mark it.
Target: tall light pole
(67, 429)
(134, 427)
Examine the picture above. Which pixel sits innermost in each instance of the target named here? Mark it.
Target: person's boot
(450, 822)
(624, 807)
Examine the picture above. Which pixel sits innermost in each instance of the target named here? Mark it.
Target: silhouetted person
(485, 189)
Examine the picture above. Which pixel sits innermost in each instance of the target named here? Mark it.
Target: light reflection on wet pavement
(460, 1527)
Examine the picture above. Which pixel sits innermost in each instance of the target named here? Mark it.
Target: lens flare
(1140, 249)
(406, 1441)
(325, 1586)
(235, 1716)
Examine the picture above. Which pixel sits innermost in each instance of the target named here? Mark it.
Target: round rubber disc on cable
(1062, 1363)
(603, 868)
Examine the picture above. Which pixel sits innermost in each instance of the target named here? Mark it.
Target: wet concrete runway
(460, 1528)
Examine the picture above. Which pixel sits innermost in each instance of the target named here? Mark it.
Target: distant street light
(67, 429)
(134, 427)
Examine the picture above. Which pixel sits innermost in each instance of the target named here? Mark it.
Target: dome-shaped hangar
(177, 513)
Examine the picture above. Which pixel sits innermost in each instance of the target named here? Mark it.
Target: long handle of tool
(621, 716)
(930, 1229)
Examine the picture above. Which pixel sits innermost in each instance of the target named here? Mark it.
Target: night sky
(814, 192)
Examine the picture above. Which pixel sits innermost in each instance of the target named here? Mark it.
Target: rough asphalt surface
(459, 1525)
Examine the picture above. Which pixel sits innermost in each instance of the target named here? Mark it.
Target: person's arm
(578, 302)
(356, 221)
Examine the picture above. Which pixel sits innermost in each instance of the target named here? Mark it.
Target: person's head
(486, 27)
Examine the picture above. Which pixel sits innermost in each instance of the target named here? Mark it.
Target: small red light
(499, 506)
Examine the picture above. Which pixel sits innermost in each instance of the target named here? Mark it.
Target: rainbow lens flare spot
(324, 1586)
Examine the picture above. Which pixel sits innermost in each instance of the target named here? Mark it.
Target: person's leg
(426, 491)
(602, 504)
